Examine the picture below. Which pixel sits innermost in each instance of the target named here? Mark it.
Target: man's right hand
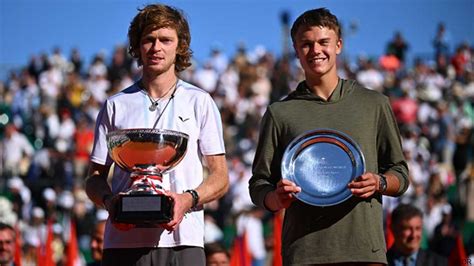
(282, 196)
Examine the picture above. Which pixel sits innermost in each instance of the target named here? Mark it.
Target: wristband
(195, 196)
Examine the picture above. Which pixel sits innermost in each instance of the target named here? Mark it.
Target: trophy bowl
(147, 154)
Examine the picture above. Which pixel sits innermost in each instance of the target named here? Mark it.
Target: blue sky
(33, 26)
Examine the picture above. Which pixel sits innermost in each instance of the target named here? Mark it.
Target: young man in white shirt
(159, 38)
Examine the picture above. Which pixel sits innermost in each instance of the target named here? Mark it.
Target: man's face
(218, 259)
(7, 246)
(97, 242)
(158, 50)
(317, 48)
(408, 235)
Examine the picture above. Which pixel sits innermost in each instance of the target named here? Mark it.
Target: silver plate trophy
(147, 154)
(323, 162)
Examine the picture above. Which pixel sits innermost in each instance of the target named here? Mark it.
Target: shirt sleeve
(211, 140)
(390, 153)
(266, 171)
(103, 125)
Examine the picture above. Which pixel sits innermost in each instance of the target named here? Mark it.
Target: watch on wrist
(195, 196)
(382, 183)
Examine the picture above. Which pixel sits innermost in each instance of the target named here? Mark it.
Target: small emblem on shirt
(183, 119)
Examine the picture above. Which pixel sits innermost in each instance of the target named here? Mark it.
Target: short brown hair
(316, 17)
(405, 212)
(161, 16)
(213, 248)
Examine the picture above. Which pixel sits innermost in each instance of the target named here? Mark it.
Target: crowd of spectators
(48, 110)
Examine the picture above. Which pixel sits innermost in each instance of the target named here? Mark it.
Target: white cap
(37, 212)
(57, 228)
(15, 183)
(446, 209)
(66, 199)
(49, 194)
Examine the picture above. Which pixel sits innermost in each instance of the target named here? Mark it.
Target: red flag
(18, 245)
(458, 254)
(240, 255)
(277, 225)
(39, 256)
(45, 258)
(389, 238)
(72, 253)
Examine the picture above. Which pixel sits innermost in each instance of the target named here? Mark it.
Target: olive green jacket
(352, 230)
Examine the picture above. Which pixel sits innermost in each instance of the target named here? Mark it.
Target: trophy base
(144, 210)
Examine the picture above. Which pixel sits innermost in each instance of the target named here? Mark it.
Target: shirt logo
(183, 119)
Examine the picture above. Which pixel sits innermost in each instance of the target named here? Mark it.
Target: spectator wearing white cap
(7, 215)
(21, 197)
(34, 233)
(49, 202)
(98, 84)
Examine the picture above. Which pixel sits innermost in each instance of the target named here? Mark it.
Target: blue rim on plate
(322, 162)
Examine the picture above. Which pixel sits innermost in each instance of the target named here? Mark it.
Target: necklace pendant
(152, 108)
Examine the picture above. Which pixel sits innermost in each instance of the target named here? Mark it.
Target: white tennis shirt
(191, 111)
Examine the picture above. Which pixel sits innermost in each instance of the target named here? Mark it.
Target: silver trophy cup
(147, 154)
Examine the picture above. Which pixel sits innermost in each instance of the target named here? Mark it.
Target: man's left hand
(182, 202)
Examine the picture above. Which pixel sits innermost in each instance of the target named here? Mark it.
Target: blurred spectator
(50, 81)
(83, 141)
(445, 233)
(389, 62)
(17, 152)
(206, 78)
(97, 243)
(76, 61)
(441, 41)
(75, 91)
(67, 128)
(7, 214)
(444, 139)
(20, 197)
(216, 255)
(7, 244)
(212, 232)
(97, 83)
(49, 203)
(218, 59)
(369, 76)
(250, 222)
(460, 59)
(239, 175)
(58, 60)
(407, 227)
(398, 47)
(120, 65)
(405, 109)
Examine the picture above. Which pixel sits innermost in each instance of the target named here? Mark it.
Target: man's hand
(282, 196)
(182, 202)
(365, 185)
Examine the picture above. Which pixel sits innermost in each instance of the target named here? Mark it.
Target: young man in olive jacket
(352, 231)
